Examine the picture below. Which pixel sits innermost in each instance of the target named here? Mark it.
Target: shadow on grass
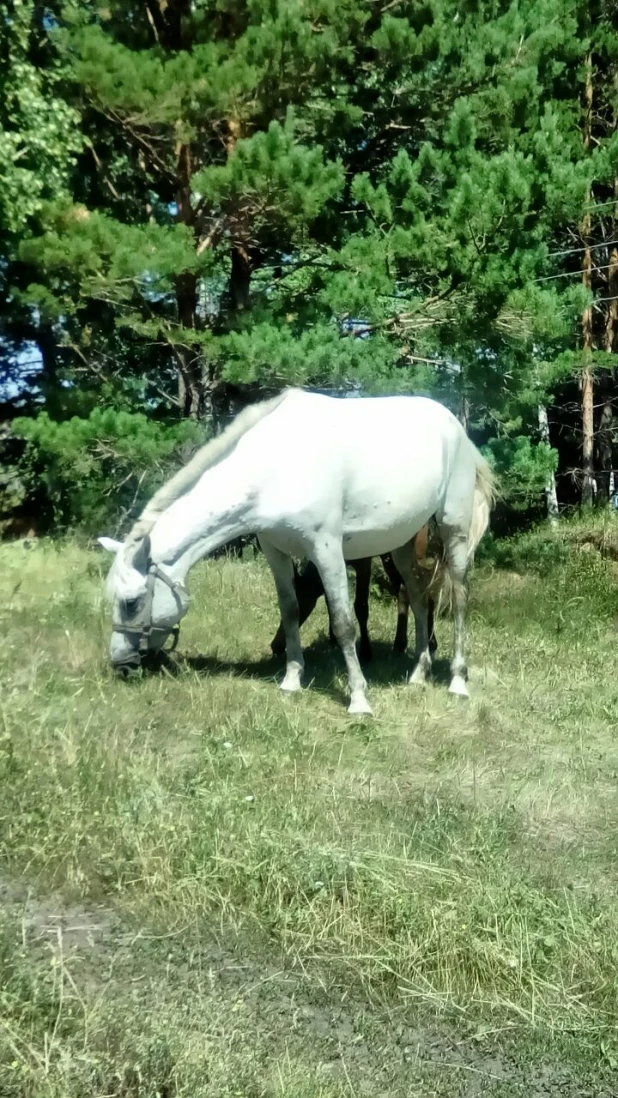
(323, 664)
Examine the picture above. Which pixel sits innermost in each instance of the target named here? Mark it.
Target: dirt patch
(54, 921)
(373, 1047)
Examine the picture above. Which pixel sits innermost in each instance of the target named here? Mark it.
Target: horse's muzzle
(127, 668)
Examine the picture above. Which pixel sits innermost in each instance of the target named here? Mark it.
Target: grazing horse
(309, 588)
(317, 477)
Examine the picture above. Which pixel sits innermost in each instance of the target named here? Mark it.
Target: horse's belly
(382, 513)
(371, 543)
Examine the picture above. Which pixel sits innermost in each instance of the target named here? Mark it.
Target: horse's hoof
(292, 686)
(458, 687)
(418, 677)
(360, 708)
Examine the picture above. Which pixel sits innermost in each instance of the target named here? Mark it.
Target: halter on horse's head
(144, 627)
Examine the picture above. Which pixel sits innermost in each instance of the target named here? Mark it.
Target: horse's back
(373, 469)
(378, 431)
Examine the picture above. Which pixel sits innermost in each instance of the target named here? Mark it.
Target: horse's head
(148, 604)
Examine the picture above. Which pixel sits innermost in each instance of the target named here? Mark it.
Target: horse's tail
(485, 493)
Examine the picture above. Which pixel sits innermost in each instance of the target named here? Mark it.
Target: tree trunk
(171, 21)
(550, 488)
(611, 324)
(587, 376)
(240, 278)
(191, 381)
(244, 255)
(606, 426)
(244, 258)
(604, 438)
(464, 407)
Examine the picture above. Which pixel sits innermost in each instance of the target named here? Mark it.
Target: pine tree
(196, 106)
(344, 195)
(39, 142)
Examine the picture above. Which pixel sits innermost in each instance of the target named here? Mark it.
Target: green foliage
(342, 194)
(523, 468)
(39, 130)
(539, 551)
(95, 471)
(286, 184)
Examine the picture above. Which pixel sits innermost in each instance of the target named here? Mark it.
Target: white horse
(317, 477)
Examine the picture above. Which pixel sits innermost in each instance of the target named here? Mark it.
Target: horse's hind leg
(416, 587)
(329, 559)
(456, 549)
(283, 572)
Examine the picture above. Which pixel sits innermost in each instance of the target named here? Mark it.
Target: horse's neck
(214, 512)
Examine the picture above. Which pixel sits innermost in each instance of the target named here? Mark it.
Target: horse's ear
(110, 544)
(141, 557)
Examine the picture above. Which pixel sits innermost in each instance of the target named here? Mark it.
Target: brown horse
(309, 588)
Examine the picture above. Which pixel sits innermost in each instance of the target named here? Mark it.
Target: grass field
(210, 890)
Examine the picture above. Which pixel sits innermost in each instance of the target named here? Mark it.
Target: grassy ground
(209, 890)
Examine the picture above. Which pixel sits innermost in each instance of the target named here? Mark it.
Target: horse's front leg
(328, 556)
(282, 568)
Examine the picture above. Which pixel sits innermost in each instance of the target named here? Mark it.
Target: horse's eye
(131, 606)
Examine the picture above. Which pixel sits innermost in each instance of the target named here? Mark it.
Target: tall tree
(39, 143)
(343, 194)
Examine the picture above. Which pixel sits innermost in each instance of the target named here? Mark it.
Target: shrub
(523, 468)
(95, 471)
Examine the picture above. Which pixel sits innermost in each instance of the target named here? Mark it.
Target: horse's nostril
(125, 670)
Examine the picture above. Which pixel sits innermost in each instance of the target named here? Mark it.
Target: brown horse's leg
(416, 584)
(403, 604)
(433, 643)
(361, 605)
(308, 585)
(421, 543)
(391, 572)
(403, 609)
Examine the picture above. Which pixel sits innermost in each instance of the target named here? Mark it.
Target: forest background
(202, 202)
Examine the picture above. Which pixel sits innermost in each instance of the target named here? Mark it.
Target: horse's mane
(124, 580)
(206, 457)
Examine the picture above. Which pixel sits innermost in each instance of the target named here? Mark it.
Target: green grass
(208, 889)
